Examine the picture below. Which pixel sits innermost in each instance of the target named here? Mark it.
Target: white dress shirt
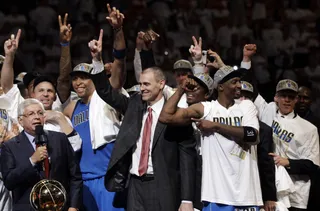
(156, 110)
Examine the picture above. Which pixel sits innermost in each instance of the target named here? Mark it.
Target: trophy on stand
(47, 194)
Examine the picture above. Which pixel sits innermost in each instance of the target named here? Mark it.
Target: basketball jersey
(230, 172)
(93, 163)
(294, 138)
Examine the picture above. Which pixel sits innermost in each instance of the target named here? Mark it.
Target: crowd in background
(287, 33)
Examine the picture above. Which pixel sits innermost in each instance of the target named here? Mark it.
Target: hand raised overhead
(65, 29)
(115, 18)
(11, 45)
(96, 47)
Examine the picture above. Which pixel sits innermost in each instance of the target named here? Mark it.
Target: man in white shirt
(294, 138)
(230, 178)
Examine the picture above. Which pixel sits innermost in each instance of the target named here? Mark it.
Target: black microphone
(41, 138)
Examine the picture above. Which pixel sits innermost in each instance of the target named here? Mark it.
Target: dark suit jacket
(20, 176)
(173, 149)
(266, 164)
(307, 167)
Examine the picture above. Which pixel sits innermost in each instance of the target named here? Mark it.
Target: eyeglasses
(34, 114)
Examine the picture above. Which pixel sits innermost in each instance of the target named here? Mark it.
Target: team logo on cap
(287, 84)
(83, 67)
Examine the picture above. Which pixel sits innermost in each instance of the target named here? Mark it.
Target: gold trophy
(48, 195)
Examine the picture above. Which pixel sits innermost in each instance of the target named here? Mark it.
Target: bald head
(305, 100)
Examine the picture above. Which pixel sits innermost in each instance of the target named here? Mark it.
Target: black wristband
(73, 133)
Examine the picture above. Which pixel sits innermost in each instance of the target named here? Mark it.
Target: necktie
(146, 138)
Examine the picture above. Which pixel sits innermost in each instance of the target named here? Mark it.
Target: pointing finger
(109, 9)
(65, 19)
(100, 36)
(18, 35)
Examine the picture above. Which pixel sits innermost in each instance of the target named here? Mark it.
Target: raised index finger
(100, 35)
(18, 35)
(109, 8)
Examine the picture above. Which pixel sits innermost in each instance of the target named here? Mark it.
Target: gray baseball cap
(182, 64)
(246, 86)
(204, 79)
(224, 74)
(82, 68)
(287, 84)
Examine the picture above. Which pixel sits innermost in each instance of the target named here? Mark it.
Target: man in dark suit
(156, 161)
(21, 160)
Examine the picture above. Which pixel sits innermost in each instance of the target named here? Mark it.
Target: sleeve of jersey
(250, 114)
(311, 149)
(207, 106)
(16, 99)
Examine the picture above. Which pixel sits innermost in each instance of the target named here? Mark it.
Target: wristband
(119, 54)
(64, 44)
(73, 133)
(117, 29)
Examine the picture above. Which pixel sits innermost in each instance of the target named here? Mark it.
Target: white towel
(104, 121)
(284, 186)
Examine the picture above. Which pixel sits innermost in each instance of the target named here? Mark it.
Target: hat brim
(233, 74)
(199, 82)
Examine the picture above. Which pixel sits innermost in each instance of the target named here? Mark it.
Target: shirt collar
(29, 136)
(157, 107)
(291, 115)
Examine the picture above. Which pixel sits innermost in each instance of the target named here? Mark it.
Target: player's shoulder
(306, 125)
(246, 104)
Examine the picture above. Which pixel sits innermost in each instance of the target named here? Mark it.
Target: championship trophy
(47, 194)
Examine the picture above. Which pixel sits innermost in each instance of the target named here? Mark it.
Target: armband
(250, 134)
(119, 54)
(73, 133)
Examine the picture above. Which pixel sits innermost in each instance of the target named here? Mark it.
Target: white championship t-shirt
(230, 172)
(294, 138)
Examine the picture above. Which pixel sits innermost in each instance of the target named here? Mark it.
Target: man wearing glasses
(21, 159)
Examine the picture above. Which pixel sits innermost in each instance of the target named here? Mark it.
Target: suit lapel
(25, 144)
(159, 129)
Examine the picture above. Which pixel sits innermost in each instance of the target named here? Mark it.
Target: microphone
(42, 140)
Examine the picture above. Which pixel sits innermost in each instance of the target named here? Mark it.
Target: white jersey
(294, 138)
(230, 172)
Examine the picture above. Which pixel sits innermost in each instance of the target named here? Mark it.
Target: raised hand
(115, 18)
(145, 39)
(249, 50)
(217, 63)
(65, 29)
(196, 49)
(96, 47)
(12, 44)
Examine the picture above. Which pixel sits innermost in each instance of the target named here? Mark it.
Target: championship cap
(204, 79)
(224, 74)
(287, 84)
(182, 64)
(246, 86)
(82, 68)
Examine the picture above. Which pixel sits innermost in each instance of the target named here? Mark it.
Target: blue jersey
(93, 163)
